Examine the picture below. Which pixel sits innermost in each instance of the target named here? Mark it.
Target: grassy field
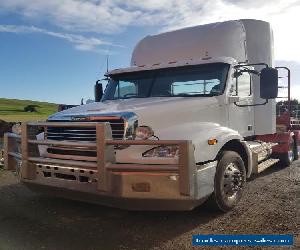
(12, 110)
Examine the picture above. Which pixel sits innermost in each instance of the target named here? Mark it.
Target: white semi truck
(190, 120)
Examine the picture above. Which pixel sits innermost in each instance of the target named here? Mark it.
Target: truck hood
(160, 113)
(177, 118)
(122, 105)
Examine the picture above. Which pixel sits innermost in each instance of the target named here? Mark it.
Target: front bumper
(128, 190)
(104, 180)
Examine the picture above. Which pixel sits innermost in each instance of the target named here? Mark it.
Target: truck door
(241, 116)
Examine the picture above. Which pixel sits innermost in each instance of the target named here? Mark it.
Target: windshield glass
(200, 80)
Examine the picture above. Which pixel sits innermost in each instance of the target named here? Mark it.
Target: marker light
(212, 141)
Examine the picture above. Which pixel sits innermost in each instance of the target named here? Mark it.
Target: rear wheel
(296, 151)
(288, 157)
(229, 181)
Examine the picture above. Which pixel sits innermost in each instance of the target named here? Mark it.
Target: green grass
(12, 110)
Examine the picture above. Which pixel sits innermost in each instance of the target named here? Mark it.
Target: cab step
(265, 164)
(256, 149)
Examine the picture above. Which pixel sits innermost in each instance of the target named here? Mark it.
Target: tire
(296, 151)
(229, 181)
(287, 158)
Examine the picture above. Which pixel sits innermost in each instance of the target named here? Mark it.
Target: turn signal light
(212, 141)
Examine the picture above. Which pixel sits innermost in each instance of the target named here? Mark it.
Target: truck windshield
(200, 80)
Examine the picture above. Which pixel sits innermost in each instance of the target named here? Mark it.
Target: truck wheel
(229, 181)
(287, 158)
(296, 151)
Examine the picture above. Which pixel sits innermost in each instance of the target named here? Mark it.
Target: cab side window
(242, 86)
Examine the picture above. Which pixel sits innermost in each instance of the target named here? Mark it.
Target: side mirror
(98, 91)
(269, 83)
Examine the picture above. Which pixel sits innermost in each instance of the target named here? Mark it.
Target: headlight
(162, 151)
(144, 132)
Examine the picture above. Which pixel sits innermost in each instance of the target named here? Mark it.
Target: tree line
(282, 106)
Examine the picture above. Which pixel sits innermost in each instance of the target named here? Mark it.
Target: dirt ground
(32, 221)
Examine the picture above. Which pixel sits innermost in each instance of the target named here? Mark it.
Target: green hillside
(12, 110)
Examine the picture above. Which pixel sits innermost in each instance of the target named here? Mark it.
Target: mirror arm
(251, 64)
(251, 105)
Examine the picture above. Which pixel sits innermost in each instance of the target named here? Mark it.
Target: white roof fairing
(216, 42)
(223, 39)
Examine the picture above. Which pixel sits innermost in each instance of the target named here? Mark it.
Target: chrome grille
(84, 134)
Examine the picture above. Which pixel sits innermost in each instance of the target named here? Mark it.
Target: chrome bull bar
(25, 149)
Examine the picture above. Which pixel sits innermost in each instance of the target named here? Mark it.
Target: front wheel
(229, 181)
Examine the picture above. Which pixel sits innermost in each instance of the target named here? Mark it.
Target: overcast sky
(55, 50)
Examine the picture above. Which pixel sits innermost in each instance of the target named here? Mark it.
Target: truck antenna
(107, 57)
